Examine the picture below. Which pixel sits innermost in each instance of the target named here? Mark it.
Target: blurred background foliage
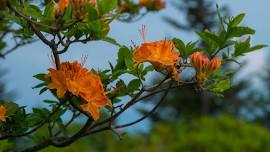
(204, 134)
(191, 121)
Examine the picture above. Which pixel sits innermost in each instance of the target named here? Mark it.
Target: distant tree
(199, 15)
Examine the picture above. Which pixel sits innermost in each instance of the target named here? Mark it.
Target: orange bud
(199, 61)
(153, 4)
(215, 64)
(203, 65)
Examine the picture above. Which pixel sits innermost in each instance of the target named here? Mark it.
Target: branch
(149, 113)
(130, 103)
(60, 141)
(37, 127)
(33, 24)
(137, 99)
(138, 120)
(22, 43)
(88, 127)
(74, 116)
(79, 109)
(28, 19)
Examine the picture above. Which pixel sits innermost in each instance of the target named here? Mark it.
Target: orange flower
(3, 111)
(77, 5)
(203, 65)
(61, 6)
(153, 4)
(161, 54)
(73, 78)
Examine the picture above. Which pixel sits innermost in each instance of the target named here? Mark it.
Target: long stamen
(134, 45)
(143, 33)
(52, 60)
(83, 59)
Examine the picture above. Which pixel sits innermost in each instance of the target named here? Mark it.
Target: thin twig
(149, 113)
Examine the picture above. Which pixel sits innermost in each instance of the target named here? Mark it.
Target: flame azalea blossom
(77, 5)
(73, 78)
(161, 54)
(153, 4)
(203, 66)
(3, 111)
(62, 4)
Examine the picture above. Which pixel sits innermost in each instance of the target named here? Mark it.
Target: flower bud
(61, 6)
(153, 4)
(203, 66)
(214, 65)
(199, 61)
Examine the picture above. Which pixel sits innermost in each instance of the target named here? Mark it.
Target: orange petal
(3, 113)
(92, 109)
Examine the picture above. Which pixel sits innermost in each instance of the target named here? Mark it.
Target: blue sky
(33, 59)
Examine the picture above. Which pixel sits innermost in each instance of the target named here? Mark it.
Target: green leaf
(239, 31)
(92, 13)
(220, 18)
(58, 114)
(2, 45)
(185, 50)
(41, 112)
(133, 85)
(129, 63)
(68, 14)
(238, 19)
(209, 37)
(241, 47)
(105, 6)
(124, 59)
(33, 11)
(256, 47)
(220, 86)
(211, 40)
(112, 41)
(39, 85)
(43, 90)
(116, 100)
(95, 28)
(50, 101)
(11, 107)
(41, 77)
(180, 45)
(149, 68)
(48, 11)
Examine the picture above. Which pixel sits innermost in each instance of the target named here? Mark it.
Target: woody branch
(91, 128)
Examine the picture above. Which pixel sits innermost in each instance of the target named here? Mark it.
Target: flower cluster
(77, 5)
(153, 4)
(161, 54)
(73, 78)
(3, 111)
(203, 66)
